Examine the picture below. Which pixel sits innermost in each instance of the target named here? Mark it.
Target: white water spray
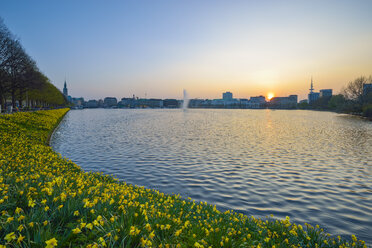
(185, 100)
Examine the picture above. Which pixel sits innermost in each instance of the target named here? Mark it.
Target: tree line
(352, 99)
(21, 81)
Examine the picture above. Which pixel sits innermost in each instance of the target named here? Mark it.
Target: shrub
(367, 111)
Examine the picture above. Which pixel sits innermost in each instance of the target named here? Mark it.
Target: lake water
(314, 167)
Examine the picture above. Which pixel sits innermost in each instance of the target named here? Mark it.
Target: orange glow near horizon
(270, 95)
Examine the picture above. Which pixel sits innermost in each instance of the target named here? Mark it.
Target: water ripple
(312, 166)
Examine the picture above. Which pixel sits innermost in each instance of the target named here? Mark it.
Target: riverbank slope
(47, 200)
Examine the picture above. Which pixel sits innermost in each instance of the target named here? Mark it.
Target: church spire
(65, 92)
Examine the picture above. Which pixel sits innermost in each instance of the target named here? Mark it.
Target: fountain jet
(185, 103)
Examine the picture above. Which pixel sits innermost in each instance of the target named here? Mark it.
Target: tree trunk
(13, 98)
(1, 102)
(27, 100)
(20, 99)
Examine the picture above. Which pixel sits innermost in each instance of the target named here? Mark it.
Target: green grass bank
(48, 201)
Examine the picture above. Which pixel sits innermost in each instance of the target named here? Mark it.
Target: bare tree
(5, 40)
(19, 74)
(16, 67)
(354, 90)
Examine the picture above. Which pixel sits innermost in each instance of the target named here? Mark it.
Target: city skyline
(158, 49)
(267, 96)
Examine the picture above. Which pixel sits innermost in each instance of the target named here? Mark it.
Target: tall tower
(311, 86)
(312, 96)
(65, 92)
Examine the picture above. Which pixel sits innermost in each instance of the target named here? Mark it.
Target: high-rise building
(313, 97)
(325, 93)
(227, 96)
(367, 88)
(293, 98)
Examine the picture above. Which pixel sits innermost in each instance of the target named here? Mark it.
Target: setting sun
(270, 95)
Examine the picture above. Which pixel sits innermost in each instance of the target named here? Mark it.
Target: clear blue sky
(120, 48)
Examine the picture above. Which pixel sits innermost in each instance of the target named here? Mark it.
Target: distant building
(78, 101)
(227, 101)
(127, 102)
(313, 96)
(244, 103)
(283, 102)
(100, 103)
(196, 103)
(233, 103)
(171, 103)
(109, 102)
(227, 96)
(258, 99)
(367, 88)
(325, 93)
(248, 104)
(256, 102)
(293, 98)
(218, 103)
(150, 103)
(65, 91)
(92, 104)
